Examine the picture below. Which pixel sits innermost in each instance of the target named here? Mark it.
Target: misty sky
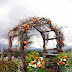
(13, 11)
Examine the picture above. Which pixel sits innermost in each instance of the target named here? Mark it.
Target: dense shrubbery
(34, 62)
(8, 66)
(68, 55)
(65, 61)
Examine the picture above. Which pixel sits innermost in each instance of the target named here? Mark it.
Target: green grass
(41, 70)
(38, 70)
(4, 60)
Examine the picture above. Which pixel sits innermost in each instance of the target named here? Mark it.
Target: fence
(2, 53)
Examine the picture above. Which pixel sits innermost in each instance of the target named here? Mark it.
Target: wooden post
(44, 52)
(2, 53)
(9, 49)
(22, 56)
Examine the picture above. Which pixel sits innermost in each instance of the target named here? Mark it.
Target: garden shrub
(33, 61)
(29, 58)
(8, 66)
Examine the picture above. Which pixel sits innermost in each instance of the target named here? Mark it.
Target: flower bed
(64, 62)
(34, 61)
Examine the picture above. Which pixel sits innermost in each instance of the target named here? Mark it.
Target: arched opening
(36, 38)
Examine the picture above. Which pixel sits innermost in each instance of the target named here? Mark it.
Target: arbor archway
(44, 26)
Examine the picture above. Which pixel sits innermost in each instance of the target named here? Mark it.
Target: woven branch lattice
(44, 26)
(41, 25)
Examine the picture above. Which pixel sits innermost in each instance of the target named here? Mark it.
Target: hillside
(30, 48)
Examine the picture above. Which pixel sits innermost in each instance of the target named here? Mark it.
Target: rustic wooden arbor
(44, 26)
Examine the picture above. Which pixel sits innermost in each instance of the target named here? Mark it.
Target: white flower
(30, 64)
(64, 59)
(7, 57)
(58, 63)
(41, 58)
(33, 65)
(38, 63)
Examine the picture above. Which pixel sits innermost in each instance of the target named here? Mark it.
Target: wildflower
(58, 42)
(37, 53)
(34, 61)
(50, 21)
(28, 26)
(62, 49)
(64, 59)
(33, 24)
(38, 20)
(26, 30)
(25, 25)
(37, 65)
(25, 42)
(63, 42)
(38, 62)
(41, 58)
(31, 55)
(31, 62)
(59, 61)
(42, 63)
(23, 29)
(33, 65)
(34, 20)
(63, 63)
(58, 32)
(68, 64)
(53, 27)
(24, 47)
(36, 57)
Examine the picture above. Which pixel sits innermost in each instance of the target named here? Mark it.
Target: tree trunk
(22, 57)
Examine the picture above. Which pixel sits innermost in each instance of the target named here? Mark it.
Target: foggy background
(13, 11)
